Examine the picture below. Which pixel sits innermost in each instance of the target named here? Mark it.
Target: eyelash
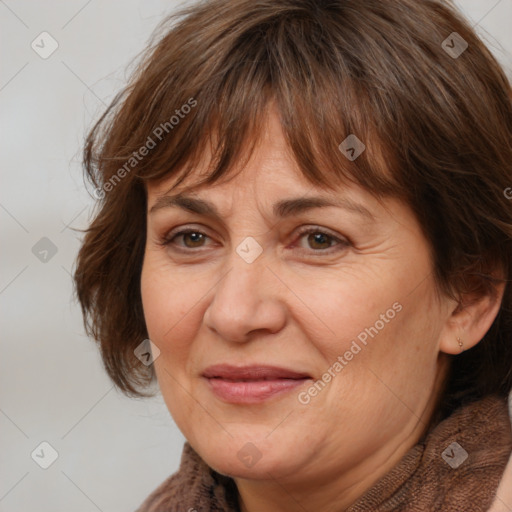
(167, 241)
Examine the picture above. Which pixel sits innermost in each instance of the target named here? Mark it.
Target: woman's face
(351, 305)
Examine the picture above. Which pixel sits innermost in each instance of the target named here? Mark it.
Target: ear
(470, 319)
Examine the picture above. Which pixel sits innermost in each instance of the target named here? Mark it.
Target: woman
(305, 206)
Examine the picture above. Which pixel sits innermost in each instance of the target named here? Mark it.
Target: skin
(299, 305)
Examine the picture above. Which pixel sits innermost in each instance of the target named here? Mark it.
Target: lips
(251, 384)
(251, 373)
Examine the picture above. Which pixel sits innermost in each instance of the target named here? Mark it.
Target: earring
(461, 345)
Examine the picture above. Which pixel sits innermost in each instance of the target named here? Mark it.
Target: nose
(246, 302)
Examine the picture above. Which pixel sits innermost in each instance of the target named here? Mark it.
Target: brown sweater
(435, 475)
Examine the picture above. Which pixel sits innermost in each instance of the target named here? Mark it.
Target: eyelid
(313, 228)
(188, 227)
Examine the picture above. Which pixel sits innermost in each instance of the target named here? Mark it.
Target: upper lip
(253, 372)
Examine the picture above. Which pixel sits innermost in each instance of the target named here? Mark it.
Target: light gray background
(113, 451)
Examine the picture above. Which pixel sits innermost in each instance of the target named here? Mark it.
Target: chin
(242, 458)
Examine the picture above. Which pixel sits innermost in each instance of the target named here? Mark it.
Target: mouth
(252, 384)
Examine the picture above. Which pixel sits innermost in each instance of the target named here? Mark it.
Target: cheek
(172, 305)
(162, 305)
(346, 308)
(378, 316)
(171, 323)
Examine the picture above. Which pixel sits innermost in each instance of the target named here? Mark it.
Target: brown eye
(319, 241)
(194, 237)
(191, 239)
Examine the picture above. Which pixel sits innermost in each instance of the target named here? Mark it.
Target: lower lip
(252, 392)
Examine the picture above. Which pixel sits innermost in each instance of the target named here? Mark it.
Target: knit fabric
(456, 467)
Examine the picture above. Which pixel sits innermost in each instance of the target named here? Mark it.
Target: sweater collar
(456, 466)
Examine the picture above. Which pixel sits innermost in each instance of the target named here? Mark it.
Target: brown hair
(437, 128)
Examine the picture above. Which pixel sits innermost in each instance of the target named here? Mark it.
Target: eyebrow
(282, 209)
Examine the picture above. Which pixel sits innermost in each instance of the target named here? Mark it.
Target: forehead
(272, 182)
(271, 175)
(271, 161)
